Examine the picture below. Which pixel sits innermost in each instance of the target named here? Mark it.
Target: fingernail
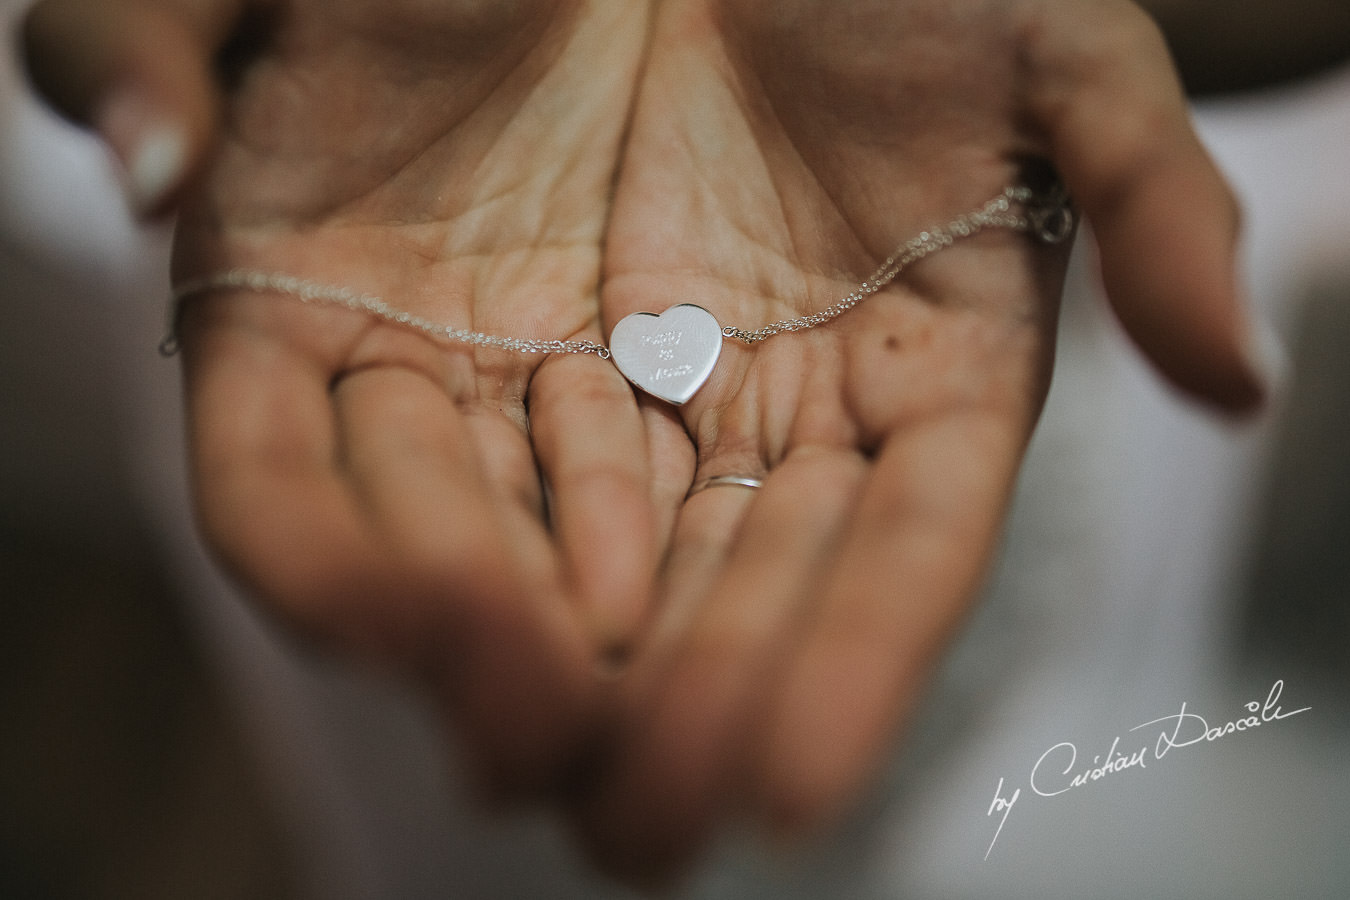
(1265, 355)
(151, 147)
(155, 166)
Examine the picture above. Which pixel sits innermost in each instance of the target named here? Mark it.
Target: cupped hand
(778, 152)
(456, 158)
(481, 518)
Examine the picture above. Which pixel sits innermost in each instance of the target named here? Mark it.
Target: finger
(263, 449)
(139, 73)
(679, 767)
(379, 544)
(705, 531)
(592, 447)
(1165, 221)
(672, 461)
(411, 460)
(495, 629)
(905, 571)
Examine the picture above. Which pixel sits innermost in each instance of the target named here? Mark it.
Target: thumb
(139, 73)
(1165, 220)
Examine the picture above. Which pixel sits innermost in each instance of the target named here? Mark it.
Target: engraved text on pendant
(670, 355)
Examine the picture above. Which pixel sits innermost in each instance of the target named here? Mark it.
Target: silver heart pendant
(670, 355)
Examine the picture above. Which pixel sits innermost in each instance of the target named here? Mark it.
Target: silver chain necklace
(672, 354)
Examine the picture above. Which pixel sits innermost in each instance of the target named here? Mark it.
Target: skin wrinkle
(877, 420)
(766, 286)
(578, 158)
(254, 137)
(771, 124)
(578, 329)
(773, 116)
(821, 423)
(714, 442)
(879, 244)
(625, 135)
(756, 287)
(472, 30)
(724, 448)
(495, 363)
(373, 346)
(1032, 111)
(836, 204)
(774, 418)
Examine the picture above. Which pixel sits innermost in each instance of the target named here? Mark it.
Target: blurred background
(159, 740)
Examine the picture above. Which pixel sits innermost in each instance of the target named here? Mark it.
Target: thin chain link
(313, 292)
(1050, 220)
(1048, 217)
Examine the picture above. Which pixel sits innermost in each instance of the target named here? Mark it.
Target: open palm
(383, 491)
(779, 151)
(492, 521)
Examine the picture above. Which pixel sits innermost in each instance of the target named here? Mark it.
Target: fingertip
(1167, 222)
(152, 146)
(139, 76)
(1200, 339)
(1169, 264)
(1267, 360)
(811, 780)
(1229, 375)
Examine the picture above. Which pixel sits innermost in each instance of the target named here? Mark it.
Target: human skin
(777, 151)
(544, 167)
(378, 491)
